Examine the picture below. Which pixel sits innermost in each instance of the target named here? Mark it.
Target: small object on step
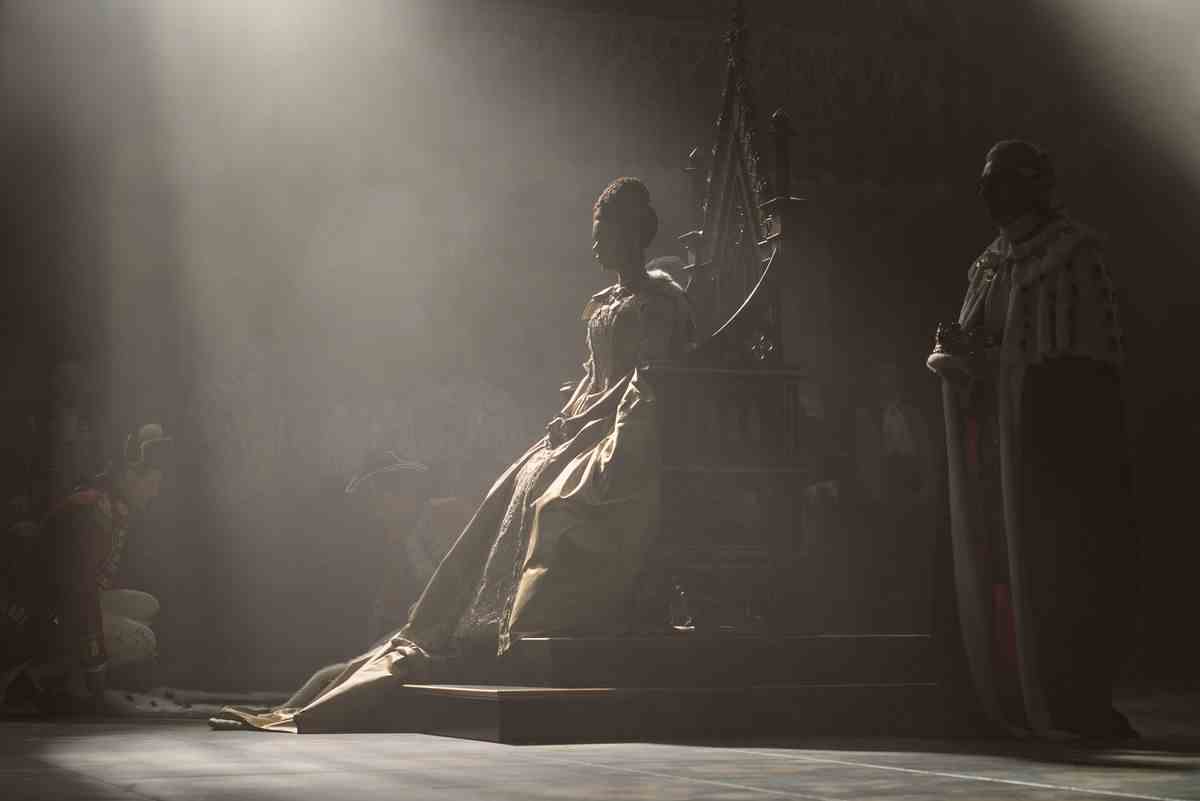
(678, 612)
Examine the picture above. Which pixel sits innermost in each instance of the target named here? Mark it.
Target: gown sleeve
(667, 328)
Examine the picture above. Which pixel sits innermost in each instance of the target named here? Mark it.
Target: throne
(742, 620)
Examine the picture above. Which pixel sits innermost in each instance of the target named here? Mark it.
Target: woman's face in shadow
(611, 246)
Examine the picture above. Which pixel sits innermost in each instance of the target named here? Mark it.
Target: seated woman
(557, 542)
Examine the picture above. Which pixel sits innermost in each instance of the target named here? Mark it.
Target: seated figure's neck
(632, 275)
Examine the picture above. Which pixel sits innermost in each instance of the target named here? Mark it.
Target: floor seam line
(107, 783)
(402, 771)
(656, 774)
(969, 777)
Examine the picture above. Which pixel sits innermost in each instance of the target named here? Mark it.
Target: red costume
(82, 544)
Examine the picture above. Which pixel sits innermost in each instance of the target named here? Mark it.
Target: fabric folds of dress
(556, 544)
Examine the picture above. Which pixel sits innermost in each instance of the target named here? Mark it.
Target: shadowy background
(293, 230)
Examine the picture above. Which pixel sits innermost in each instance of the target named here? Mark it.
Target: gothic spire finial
(736, 38)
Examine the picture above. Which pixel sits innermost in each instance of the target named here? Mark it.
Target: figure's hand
(961, 370)
(952, 367)
(407, 661)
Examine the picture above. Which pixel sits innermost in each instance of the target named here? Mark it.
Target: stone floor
(184, 761)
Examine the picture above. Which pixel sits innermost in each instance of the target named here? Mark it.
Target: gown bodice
(625, 327)
(628, 326)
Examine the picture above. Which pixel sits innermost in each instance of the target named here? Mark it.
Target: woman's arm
(667, 328)
(575, 391)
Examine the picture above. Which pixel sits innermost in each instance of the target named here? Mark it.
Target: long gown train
(556, 544)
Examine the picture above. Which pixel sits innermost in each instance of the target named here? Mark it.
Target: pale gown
(557, 542)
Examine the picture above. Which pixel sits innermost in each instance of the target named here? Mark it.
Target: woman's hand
(407, 661)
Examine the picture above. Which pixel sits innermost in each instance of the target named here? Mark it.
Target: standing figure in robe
(1040, 508)
(558, 541)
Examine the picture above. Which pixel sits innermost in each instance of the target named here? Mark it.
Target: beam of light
(280, 117)
(1145, 56)
(347, 205)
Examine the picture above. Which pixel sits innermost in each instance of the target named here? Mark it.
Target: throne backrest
(755, 374)
(743, 430)
(755, 441)
(733, 274)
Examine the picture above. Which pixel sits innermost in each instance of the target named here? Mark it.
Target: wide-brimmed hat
(383, 462)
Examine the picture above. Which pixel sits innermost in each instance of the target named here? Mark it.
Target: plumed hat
(146, 446)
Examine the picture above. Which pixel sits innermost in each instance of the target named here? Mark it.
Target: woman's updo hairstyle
(625, 203)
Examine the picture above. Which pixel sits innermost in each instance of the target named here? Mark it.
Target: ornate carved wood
(748, 558)
(742, 422)
(731, 252)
